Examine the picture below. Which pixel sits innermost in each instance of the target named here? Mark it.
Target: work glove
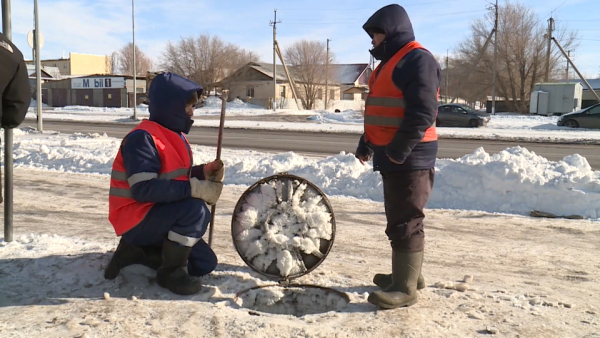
(363, 152)
(207, 191)
(214, 171)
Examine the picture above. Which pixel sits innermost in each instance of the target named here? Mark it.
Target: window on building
(139, 90)
(332, 94)
(87, 97)
(320, 94)
(250, 91)
(109, 96)
(282, 92)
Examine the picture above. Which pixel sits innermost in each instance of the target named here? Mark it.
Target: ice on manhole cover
(298, 300)
(283, 227)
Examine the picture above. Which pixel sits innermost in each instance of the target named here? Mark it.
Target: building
(93, 90)
(79, 64)
(254, 82)
(353, 79)
(588, 98)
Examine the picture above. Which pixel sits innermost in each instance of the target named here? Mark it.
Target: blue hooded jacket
(168, 96)
(418, 77)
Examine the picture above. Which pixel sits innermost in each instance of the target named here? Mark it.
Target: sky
(104, 26)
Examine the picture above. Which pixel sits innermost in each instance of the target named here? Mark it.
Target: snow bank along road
(325, 143)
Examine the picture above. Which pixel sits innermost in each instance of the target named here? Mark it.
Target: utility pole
(38, 66)
(577, 70)
(327, 76)
(548, 51)
(567, 76)
(495, 60)
(8, 144)
(274, 24)
(447, 71)
(134, 68)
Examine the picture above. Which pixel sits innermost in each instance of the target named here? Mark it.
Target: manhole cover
(295, 300)
(283, 227)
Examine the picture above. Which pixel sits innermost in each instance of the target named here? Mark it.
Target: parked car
(459, 115)
(584, 118)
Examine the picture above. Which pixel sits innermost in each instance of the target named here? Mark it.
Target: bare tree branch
(123, 61)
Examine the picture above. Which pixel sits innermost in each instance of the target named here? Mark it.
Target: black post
(8, 145)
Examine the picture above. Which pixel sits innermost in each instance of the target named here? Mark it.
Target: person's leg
(202, 260)
(405, 196)
(180, 225)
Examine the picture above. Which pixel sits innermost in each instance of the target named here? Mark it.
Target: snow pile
(212, 102)
(142, 108)
(347, 116)
(517, 180)
(279, 221)
(512, 181)
(297, 301)
(33, 103)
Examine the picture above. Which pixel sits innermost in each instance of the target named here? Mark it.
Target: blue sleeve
(140, 156)
(419, 80)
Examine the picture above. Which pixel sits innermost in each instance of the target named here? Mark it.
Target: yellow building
(80, 64)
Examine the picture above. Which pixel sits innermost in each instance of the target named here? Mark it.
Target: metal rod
(224, 95)
(8, 144)
(577, 70)
(487, 42)
(38, 67)
(327, 76)
(134, 66)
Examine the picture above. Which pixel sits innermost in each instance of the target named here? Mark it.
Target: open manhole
(283, 227)
(296, 300)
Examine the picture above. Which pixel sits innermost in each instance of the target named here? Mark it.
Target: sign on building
(98, 82)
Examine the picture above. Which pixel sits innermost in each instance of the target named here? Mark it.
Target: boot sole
(387, 306)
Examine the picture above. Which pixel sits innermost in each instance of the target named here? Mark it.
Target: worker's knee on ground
(203, 264)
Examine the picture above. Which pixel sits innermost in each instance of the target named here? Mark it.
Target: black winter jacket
(418, 77)
(14, 85)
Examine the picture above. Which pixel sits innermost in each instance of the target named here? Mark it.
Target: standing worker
(157, 197)
(400, 136)
(15, 91)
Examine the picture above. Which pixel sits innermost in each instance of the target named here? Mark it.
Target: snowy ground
(507, 127)
(532, 277)
(512, 181)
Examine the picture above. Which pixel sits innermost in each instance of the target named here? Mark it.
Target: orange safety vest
(124, 212)
(384, 108)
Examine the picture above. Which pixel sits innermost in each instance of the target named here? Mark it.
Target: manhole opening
(295, 300)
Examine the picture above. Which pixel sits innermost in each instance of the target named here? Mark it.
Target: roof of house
(342, 73)
(595, 83)
(348, 73)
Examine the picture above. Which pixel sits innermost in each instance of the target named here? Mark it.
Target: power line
(366, 8)
(353, 21)
(554, 10)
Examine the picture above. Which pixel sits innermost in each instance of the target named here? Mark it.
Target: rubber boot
(384, 281)
(125, 255)
(406, 268)
(172, 274)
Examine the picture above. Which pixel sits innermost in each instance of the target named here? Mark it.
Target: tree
(122, 61)
(205, 59)
(521, 56)
(308, 60)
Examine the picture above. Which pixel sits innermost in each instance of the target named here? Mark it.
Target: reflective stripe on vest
(175, 162)
(384, 107)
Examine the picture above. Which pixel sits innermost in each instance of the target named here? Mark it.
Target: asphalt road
(324, 143)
